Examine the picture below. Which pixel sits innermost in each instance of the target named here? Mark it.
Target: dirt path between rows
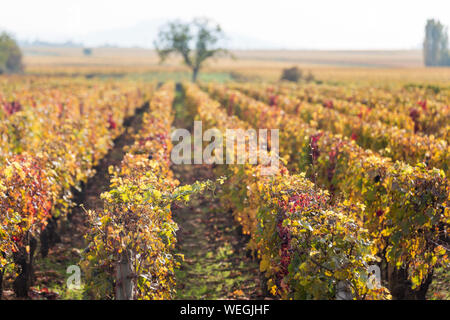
(216, 264)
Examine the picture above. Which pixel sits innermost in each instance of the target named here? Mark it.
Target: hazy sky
(314, 24)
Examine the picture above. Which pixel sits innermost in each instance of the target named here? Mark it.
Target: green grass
(214, 268)
(53, 276)
(439, 288)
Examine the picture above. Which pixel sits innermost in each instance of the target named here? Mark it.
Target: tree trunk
(2, 272)
(194, 74)
(49, 236)
(343, 291)
(124, 279)
(24, 259)
(421, 292)
(400, 285)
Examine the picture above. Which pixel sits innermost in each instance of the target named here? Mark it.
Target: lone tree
(10, 55)
(195, 42)
(435, 45)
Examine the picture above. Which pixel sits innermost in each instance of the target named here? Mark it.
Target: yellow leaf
(264, 265)
(8, 172)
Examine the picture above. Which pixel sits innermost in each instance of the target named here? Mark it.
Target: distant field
(107, 56)
(404, 65)
(385, 59)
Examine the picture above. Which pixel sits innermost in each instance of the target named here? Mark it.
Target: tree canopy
(10, 55)
(195, 42)
(435, 45)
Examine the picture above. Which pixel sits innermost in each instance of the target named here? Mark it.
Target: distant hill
(142, 35)
(39, 43)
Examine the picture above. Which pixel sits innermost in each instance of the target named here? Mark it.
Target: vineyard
(358, 207)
